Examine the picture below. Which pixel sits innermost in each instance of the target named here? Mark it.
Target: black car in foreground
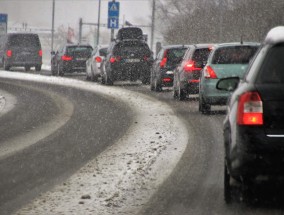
(70, 58)
(254, 124)
(162, 72)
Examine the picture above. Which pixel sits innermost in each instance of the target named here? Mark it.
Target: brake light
(98, 59)
(115, 59)
(40, 53)
(167, 79)
(163, 62)
(209, 73)
(9, 53)
(250, 110)
(66, 58)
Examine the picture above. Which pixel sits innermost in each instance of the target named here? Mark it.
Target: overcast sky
(38, 13)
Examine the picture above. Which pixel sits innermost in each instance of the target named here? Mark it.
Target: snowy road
(123, 177)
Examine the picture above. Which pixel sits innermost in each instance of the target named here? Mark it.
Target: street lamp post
(153, 24)
(99, 20)
(52, 28)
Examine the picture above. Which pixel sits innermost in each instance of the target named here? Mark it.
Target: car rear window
(24, 40)
(201, 55)
(79, 50)
(234, 55)
(272, 68)
(131, 47)
(175, 56)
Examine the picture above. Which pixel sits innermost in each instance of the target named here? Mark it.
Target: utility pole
(112, 31)
(52, 28)
(80, 29)
(153, 24)
(99, 22)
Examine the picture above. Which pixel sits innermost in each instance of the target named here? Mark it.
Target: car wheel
(152, 87)
(157, 86)
(59, 71)
(108, 81)
(38, 68)
(181, 94)
(88, 78)
(6, 67)
(27, 68)
(204, 108)
(227, 185)
(175, 93)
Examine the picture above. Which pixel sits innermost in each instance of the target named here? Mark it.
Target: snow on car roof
(275, 35)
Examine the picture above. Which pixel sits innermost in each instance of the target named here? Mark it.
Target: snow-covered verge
(123, 177)
(7, 102)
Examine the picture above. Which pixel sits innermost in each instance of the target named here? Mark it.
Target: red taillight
(66, 58)
(163, 62)
(167, 79)
(9, 53)
(190, 66)
(115, 59)
(98, 59)
(209, 72)
(250, 110)
(40, 53)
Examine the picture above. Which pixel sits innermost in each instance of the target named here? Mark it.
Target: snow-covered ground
(123, 177)
(7, 102)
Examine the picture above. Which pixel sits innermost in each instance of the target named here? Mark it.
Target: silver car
(93, 63)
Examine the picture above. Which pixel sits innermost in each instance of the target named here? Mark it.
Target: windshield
(115, 111)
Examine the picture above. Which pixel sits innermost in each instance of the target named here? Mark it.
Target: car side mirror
(228, 84)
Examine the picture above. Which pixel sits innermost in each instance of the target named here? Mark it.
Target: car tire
(204, 108)
(157, 86)
(175, 93)
(59, 71)
(181, 94)
(38, 68)
(152, 87)
(5, 66)
(108, 81)
(27, 68)
(227, 185)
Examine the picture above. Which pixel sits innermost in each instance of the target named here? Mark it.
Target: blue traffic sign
(113, 23)
(3, 17)
(113, 15)
(113, 9)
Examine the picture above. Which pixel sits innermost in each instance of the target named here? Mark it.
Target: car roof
(236, 44)
(204, 45)
(176, 46)
(275, 35)
(72, 45)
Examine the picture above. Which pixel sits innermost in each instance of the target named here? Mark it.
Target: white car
(93, 63)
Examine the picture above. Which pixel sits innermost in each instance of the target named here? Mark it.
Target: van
(20, 50)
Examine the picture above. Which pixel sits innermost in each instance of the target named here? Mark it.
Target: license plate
(81, 59)
(132, 60)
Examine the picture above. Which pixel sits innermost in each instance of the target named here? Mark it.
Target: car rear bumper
(27, 62)
(255, 153)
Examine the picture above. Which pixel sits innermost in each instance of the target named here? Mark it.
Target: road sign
(3, 23)
(113, 15)
(113, 23)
